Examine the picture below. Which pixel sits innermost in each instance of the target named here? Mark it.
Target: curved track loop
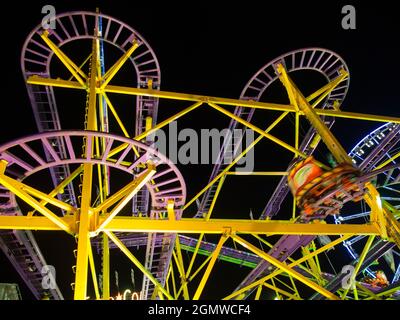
(168, 182)
(36, 59)
(323, 61)
(319, 60)
(328, 64)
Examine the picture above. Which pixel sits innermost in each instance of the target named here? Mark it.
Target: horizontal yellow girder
(193, 225)
(218, 226)
(207, 99)
(159, 94)
(33, 223)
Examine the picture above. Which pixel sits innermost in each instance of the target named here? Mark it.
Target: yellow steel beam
(178, 266)
(296, 130)
(168, 121)
(16, 189)
(181, 268)
(61, 186)
(281, 282)
(102, 171)
(217, 226)
(283, 292)
(270, 127)
(58, 83)
(71, 66)
(226, 170)
(155, 128)
(258, 293)
(83, 235)
(327, 89)
(194, 274)
(171, 268)
(138, 183)
(356, 116)
(44, 197)
(289, 258)
(294, 287)
(245, 103)
(106, 267)
(285, 268)
(116, 116)
(205, 99)
(86, 214)
(292, 265)
(36, 223)
(121, 125)
(274, 287)
(93, 273)
(355, 293)
(162, 94)
(312, 263)
(301, 103)
(258, 130)
(193, 225)
(137, 263)
(206, 218)
(386, 292)
(367, 291)
(117, 66)
(170, 209)
(149, 123)
(383, 164)
(117, 196)
(81, 65)
(333, 144)
(194, 97)
(210, 266)
(358, 265)
(373, 199)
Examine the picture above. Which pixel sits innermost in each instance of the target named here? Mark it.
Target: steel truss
(157, 189)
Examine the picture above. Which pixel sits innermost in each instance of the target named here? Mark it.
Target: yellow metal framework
(89, 220)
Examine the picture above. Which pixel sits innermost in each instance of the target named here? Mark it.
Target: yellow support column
(301, 104)
(359, 263)
(85, 210)
(106, 268)
(114, 69)
(209, 267)
(137, 263)
(72, 67)
(285, 268)
(93, 272)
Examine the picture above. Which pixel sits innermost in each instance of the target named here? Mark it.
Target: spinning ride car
(321, 192)
(380, 280)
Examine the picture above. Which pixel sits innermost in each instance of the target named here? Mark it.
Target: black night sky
(214, 48)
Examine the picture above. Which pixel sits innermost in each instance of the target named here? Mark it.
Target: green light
(222, 257)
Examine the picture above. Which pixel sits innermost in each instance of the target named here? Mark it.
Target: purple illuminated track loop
(328, 64)
(36, 59)
(168, 181)
(323, 61)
